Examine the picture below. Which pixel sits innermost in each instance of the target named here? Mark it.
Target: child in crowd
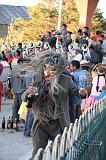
(98, 87)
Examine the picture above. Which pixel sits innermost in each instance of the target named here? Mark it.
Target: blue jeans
(17, 104)
(29, 122)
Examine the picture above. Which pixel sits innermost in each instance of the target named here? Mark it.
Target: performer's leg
(40, 139)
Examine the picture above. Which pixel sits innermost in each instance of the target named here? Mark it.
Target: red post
(0, 94)
(86, 10)
(1, 70)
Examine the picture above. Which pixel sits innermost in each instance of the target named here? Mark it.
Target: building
(9, 13)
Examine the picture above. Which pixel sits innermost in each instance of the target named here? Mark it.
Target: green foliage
(99, 22)
(70, 15)
(44, 17)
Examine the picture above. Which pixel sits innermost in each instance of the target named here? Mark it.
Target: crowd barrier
(83, 140)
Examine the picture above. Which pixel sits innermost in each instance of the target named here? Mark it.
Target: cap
(84, 62)
(101, 70)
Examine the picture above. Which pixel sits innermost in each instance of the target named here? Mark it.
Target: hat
(101, 70)
(84, 62)
(77, 49)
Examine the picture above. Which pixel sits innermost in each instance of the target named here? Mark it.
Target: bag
(23, 111)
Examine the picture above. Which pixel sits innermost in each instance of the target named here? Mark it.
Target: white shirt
(78, 57)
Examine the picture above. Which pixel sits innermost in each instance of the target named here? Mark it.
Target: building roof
(9, 13)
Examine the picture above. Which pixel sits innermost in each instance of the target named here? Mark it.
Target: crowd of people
(53, 82)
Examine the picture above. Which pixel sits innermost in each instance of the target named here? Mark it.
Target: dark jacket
(99, 52)
(62, 100)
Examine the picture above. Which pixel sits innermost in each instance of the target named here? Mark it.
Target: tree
(99, 22)
(44, 17)
(70, 15)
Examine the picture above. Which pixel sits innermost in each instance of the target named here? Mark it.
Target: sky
(20, 2)
(101, 4)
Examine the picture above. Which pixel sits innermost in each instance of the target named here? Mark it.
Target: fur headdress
(44, 105)
(44, 59)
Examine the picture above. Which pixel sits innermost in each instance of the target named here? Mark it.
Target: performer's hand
(32, 90)
(18, 75)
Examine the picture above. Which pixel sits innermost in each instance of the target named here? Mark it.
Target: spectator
(79, 37)
(85, 78)
(64, 34)
(69, 39)
(98, 34)
(97, 86)
(31, 49)
(19, 87)
(98, 81)
(29, 116)
(48, 37)
(102, 37)
(53, 40)
(79, 33)
(86, 29)
(99, 51)
(19, 48)
(78, 55)
(28, 122)
(10, 58)
(17, 54)
(75, 101)
(4, 58)
(85, 39)
(65, 50)
(93, 55)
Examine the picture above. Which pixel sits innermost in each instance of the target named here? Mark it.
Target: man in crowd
(86, 29)
(64, 34)
(18, 86)
(78, 55)
(20, 48)
(85, 78)
(79, 36)
(75, 101)
(99, 51)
